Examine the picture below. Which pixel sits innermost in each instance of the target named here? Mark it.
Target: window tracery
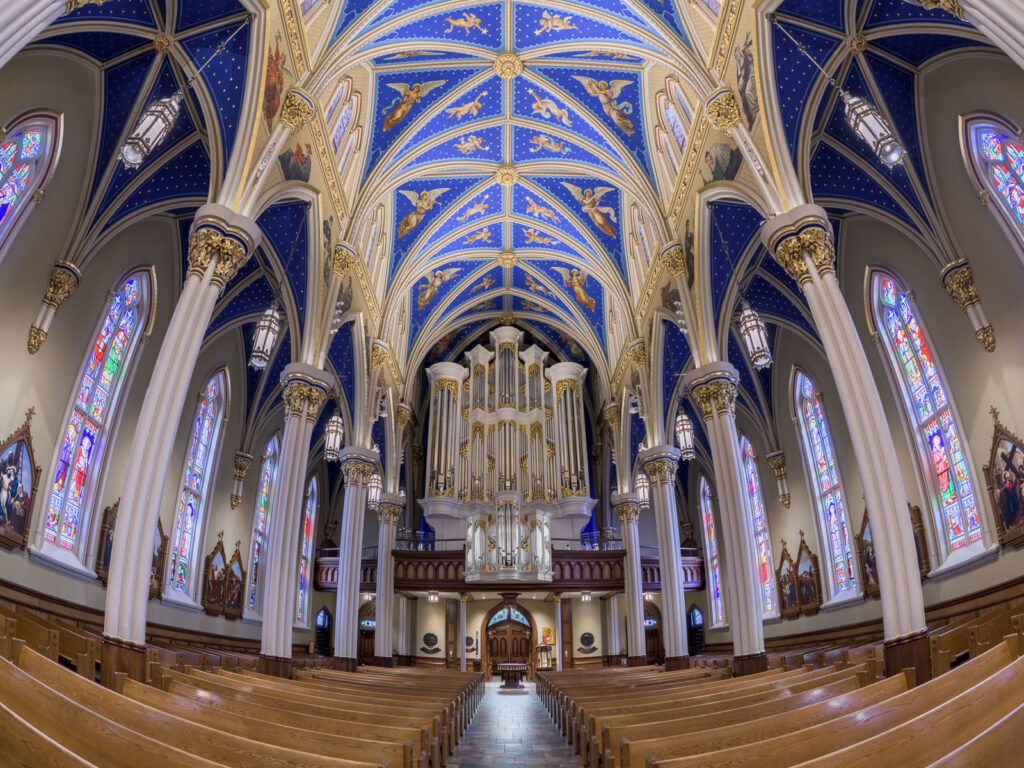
(26, 160)
(260, 523)
(306, 552)
(762, 539)
(716, 603)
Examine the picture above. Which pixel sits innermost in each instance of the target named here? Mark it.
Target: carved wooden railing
(573, 570)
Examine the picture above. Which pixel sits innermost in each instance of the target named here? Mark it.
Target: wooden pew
(850, 730)
(948, 642)
(44, 639)
(345, 722)
(706, 733)
(997, 745)
(197, 739)
(989, 631)
(24, 746)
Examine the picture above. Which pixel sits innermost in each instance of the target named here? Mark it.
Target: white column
(999, 20)
(220, 242)
(462, 631)
(356, 465)
(801, 242)
(558, 633)
(612, 639)
(627, 510)
(404, 608)
(388, 512)
(660, 463)
(22, 20)
(305, 390)
(713, 389)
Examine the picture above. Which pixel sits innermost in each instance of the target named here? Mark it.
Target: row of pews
(842, 713)
(226, 714)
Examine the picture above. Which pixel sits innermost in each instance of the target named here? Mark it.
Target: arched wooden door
(367, 626)
(652, 631)
(510, 636)
(323, 632)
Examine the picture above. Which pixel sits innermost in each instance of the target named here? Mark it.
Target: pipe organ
(506, 463)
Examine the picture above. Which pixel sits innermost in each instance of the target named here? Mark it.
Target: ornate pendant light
(267, 330)
(684, 437)
(862, 116)
(334, 438)
(158, 118)
(755, 337)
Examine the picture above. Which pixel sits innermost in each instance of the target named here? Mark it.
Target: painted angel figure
(603, 216)
(577, 281)
(424, 201)
(607, 92)
(429, 291)
(410, 96)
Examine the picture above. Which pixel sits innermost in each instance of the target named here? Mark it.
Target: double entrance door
(509, 641)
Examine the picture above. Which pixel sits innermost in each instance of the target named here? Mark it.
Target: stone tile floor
(513, 731)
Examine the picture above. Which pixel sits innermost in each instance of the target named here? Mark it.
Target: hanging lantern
(755, 337)
(432, 596)
(373, 492)
(684, 436)
(267, 330)
(153, 126)
(334, 438)
(585, 597)
(868, 123)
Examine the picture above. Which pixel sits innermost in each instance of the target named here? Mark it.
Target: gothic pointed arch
(29, 150)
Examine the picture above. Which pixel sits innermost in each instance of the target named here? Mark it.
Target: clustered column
(219, 243)
(463, 598)
(22, 20)
(558, 633)
(627, 510)
(305, 390)
(610, 629)
(713, 389)
(660, 463)
(388, 513)
(801, 242)
(357, 465)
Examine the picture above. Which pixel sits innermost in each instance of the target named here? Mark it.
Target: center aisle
(512, 730)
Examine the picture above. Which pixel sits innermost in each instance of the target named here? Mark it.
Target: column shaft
(22, 20)
(558, 633)
(627, 510)
(462, 633)
(389, 511)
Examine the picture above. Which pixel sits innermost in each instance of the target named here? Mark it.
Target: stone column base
(750, 664)
(636, 661)
(344, 664)
(911, 651)
(383, 661)
(278, 666)
(676, 662)
(117, 655)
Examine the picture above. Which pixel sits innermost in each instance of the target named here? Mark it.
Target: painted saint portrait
(723, 160)
(19, 478)
(746, 84)
(787, 588)
(273, 89)
(234, 581)
(216, 587)
(1005, 475)
(296, 164)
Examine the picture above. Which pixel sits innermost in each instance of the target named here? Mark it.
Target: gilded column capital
(227, 253)
(986, 337)
(343, 260)
(242, 462)
(723, 110)
(379, 355)
(64, 278)
(717, 396)
(388, 512)
(302, 396)
(958, 280)
(403, 415)
(673, 259)
(777, 462)
(612, 415)
(662, 470)
(636, 353)
(627, 511)
(949, 6)
(815, 242)
(296, 110)
(356, 470)
(74, 5)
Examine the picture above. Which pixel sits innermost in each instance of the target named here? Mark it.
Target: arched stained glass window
(998, 159)
(930, 411)
(93, 410)
(195, 485)
(261, 523)
(828, 493)
(306, 552)
(714, 7)
(26, 159)
(762, 539)
(711, 561)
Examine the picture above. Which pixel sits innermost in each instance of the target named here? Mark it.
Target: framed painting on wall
(1005, 475)
(789, 602)
(808, 580)
(866, 558)
(19, 482)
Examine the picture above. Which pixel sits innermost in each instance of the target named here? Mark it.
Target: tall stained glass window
(828, 493)
(711, 561)
(998, 157)
(92, 409)
(306, 553)
(762, 540)
(260, 524)
(26, 155)
(929, 410)
(195, 485)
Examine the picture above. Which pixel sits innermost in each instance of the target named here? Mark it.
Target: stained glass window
(930, 411)
(94, 402)
(306, 552)
(711, 561)
(25, 160)
(260, 523)
(999, 158)
(675, 124)
(714, 7)
(762, 540)
(828, 493)
(195, 484)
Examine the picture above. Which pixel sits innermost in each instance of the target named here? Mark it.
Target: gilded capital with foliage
(815, 242)
(724, 111)
(226, 253)
(63, 280)
(986, 337)
(612, 415)
(949, 6)
(662, 471)
(959, 282)
(777, 461)
(637, 355)
(388, 512)
(242, 463)
(302, 397)
(715, 397)
(343, 260)
(74, 5)
(356, 471)
(627, 512)
(296, 111)
(403, 415)
(673, 259)
(378, 356)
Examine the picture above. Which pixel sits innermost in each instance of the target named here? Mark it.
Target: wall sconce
(432, 596)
